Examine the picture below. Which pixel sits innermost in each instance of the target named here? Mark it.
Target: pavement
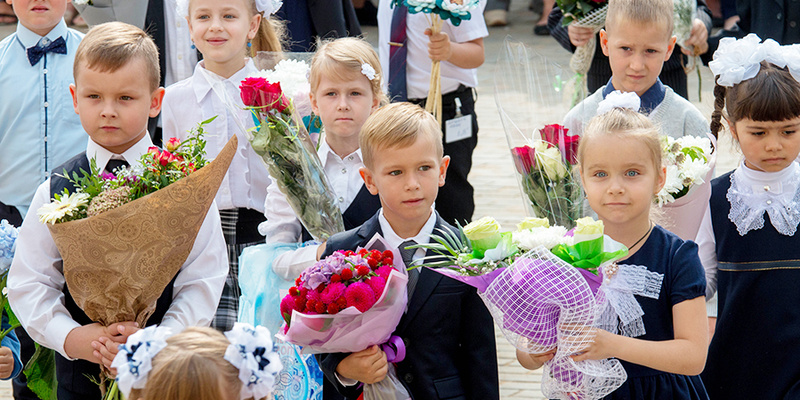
(497, 193)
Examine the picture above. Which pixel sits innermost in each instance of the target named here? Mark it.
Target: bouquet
(685, 13)
(8, 239)
(347, 302)
(282, 142)
(544, 169)
(690, 164)
(438, 11)
(587, 14)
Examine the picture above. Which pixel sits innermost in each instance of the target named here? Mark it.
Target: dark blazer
(308, 19)
(448, 332)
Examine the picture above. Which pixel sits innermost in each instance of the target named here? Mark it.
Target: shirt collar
(650, 99)
(325, 152)
(424, 235)
(28, 38)
(203, 78)
(132, 155)
(774, 181)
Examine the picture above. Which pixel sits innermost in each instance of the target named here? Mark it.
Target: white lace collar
(754, 192)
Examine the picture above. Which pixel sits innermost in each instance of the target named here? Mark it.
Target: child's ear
(313, 99)
(670, 47)
(156, 100)
(443, 169)
(662, 179)
(73, 90)
(376, 103)
(255, 23)
(604, 41)
(369, 181)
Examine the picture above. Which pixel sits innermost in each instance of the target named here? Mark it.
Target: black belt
(449, 97)
(247, 225)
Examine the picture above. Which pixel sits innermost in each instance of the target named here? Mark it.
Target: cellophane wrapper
(529, 92)
(540, 303)
(350, 330)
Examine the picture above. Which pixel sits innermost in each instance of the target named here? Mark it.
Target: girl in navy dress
(747, 238)
(620, 167)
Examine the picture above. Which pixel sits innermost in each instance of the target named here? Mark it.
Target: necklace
(641, 238)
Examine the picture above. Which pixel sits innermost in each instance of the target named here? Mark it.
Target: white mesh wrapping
(540, 302)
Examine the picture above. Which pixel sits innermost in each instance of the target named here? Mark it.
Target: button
(408, 378)
(793, 24)
(779, 16)
(46, 104)
(341, 199)
(180, 56)
(45, 42)
(766, 188)
(344, 170)
(769, 202)
(45, 71)
(350, 158)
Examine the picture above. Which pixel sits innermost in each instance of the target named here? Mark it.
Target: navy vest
(758, 317)
(363, 207)
(73, 381)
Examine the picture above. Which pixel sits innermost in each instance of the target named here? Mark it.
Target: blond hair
(624, 124)
(108, 47)
(192, 367)
(270, 35)
(342, 59)
(398, 125)
(641, 11)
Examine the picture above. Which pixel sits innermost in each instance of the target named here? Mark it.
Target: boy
(448, 332)
(406, 56)
(637, 40)
(115, 92)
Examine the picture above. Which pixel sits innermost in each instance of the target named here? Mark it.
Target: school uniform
(41, 300)
(749, 248)
(447, 330)
(455, 202)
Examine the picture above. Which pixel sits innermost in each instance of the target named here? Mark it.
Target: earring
(193, 46)
(249, 44)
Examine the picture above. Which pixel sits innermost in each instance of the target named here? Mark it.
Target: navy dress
(755, 352)
(684, 279)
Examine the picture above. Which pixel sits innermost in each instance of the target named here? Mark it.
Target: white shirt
(192, 101)
(282, 225)
(181, 57)
(36, 278)
(424, 235)
(779, 185)
(418, 64)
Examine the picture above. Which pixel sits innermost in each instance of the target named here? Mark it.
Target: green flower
(530, 223)
(588, 227)
(484, 234)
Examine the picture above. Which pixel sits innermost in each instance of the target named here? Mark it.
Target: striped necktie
(397, 55)
(408, 259)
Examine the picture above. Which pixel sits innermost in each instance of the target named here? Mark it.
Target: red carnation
(524, 159)
(388, 254)
(333, 309)
(293, 291)
(362, 270)
(342, 302)
(320, 307)
(299, 303)
(372, 262)
(336, 278)
(360, 296)
(347, 274)
(298, 281)
(333, 292)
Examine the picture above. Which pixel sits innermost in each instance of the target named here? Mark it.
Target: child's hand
(534, 361)
(579, 35)
(698, 39)
(321, 250)
(600, 348)
(367, 366)
(106, 347)
(6, 362)
(78, 343)
(439, 48)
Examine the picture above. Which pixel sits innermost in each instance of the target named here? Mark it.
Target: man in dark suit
(447, 330)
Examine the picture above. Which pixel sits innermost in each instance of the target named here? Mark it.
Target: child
(115, 92)
(449, 336)
(345, 83)
(620, 167)
(224, 32)
(460, 50)
(10, 364)
(196, 364)
(637, 40)
(749, 258)
(37, 60)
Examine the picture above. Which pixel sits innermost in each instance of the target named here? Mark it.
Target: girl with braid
(747, 238)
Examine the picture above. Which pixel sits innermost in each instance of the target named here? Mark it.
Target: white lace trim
(748, 205)
(618, 310)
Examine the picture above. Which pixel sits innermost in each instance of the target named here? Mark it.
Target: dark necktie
(397, 55)
(408, 259)
(114, 164)
(44, 46)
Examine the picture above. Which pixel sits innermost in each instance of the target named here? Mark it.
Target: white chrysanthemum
(695, 170)
(416, 6)
(459, 7)
(672, 185)
(696, 141)
(54, 211)
(548, 237)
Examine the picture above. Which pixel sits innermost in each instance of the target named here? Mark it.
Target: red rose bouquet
(283, 144)
(545, 170)
(347, 302)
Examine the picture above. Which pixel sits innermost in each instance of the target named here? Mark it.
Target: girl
(198, 364)
(750, 257)
(620, 167)
(345, 80)
(223, 32)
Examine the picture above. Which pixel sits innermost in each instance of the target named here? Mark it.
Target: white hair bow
(618, 99)
(268, 7)
(737, 60)
(135, 358)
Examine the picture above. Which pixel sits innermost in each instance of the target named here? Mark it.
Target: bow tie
(35, 53)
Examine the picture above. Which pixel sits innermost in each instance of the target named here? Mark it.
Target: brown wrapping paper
(117, 264)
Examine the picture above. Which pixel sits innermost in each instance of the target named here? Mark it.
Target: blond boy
(115, 92)
(447, 330)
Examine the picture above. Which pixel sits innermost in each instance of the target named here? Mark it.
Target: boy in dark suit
(448, 333)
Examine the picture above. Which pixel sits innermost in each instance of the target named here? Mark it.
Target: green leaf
(12, 319)
(41, 373)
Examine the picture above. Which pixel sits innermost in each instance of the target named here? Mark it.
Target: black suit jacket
(448, 332)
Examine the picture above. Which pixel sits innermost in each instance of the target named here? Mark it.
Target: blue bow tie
(35, 53)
